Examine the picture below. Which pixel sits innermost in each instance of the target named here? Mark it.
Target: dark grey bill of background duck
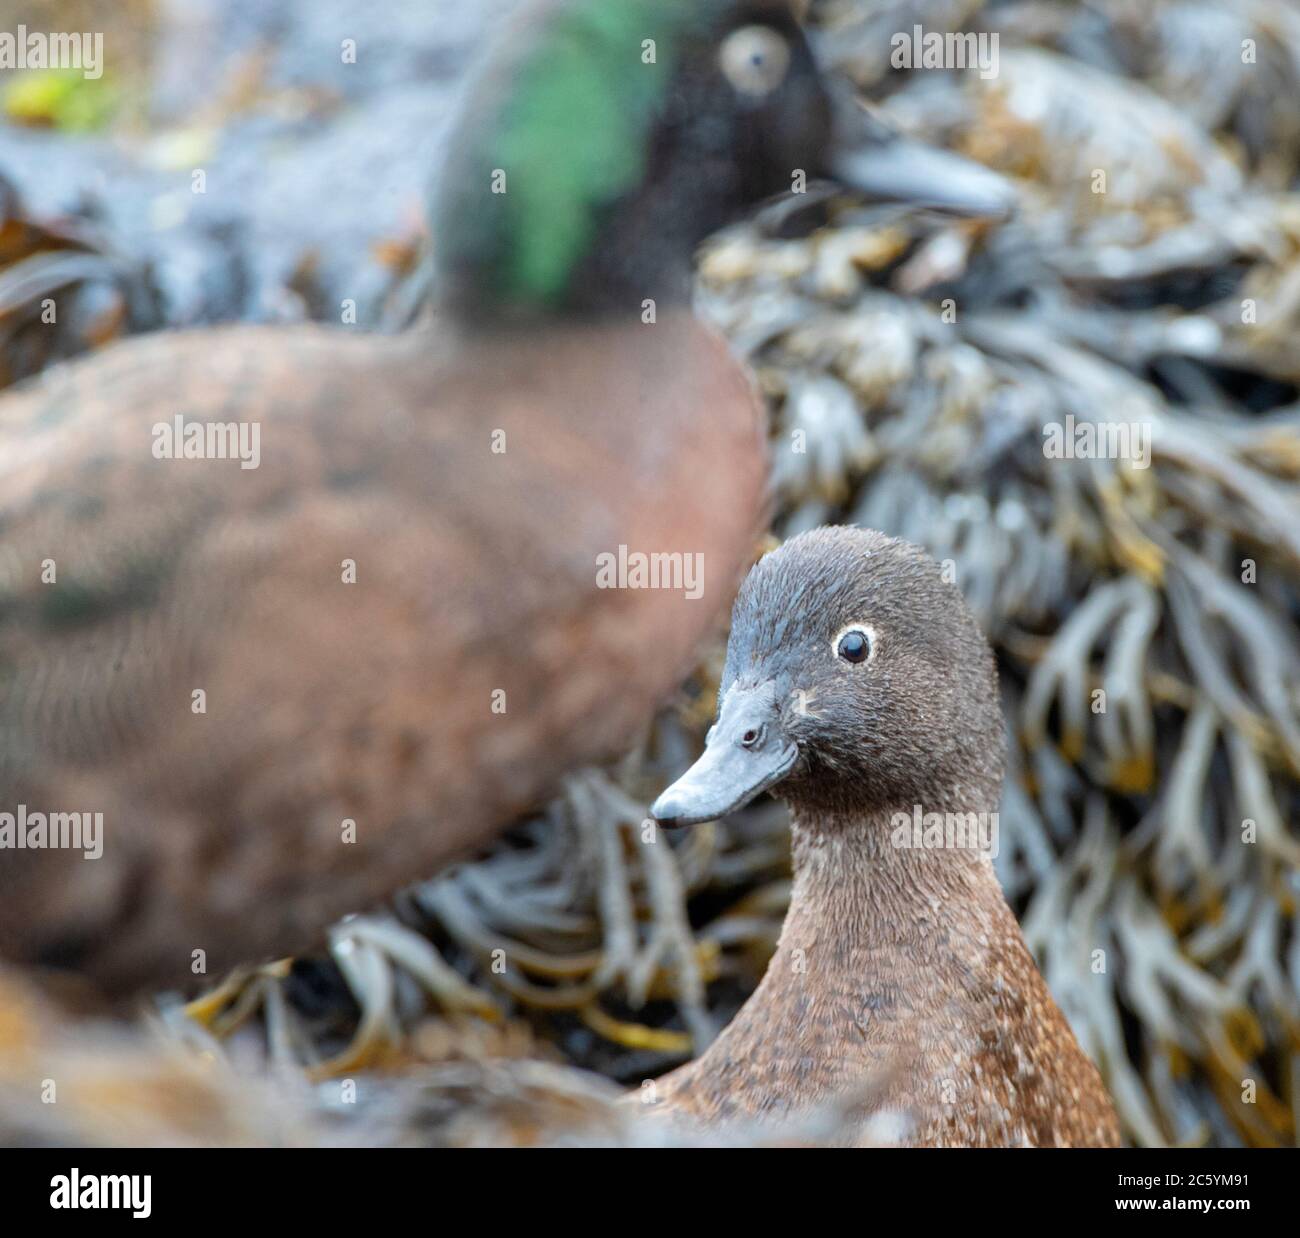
(345, 170)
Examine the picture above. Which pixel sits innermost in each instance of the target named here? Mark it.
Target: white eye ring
(861, 629)
(755, 60)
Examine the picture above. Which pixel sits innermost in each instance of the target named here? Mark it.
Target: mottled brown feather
(371, 701)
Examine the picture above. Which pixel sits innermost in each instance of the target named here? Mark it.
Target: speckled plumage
(901, 982)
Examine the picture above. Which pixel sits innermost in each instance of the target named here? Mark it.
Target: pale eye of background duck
(755, 60)
(855, 643)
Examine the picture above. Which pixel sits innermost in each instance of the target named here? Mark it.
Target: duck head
(856, 682)
(606, 138)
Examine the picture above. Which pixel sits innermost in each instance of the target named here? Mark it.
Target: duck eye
(853, 645)
(755, 60)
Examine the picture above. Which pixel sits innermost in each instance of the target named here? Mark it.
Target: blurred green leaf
(60, 99)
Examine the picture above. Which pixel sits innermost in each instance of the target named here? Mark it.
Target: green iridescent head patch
(544, 153)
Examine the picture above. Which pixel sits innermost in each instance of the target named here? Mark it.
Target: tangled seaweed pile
(918, 370)
(65, 261)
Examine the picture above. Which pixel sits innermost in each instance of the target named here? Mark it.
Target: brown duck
(860, 688)
(300, 614)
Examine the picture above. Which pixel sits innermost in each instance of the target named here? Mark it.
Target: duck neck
(501, 263)
(893, 879)
(902, 985)
(880, 950)
(607, 285)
